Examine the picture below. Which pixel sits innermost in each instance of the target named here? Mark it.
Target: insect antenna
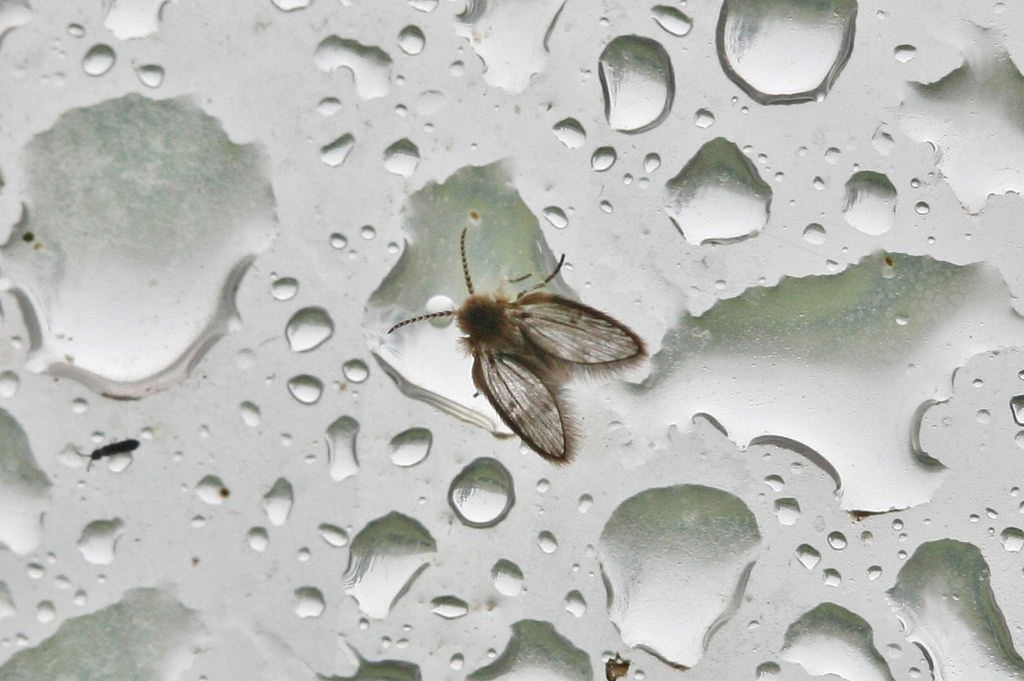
(432, 315)
(465, 263)
(554, 273)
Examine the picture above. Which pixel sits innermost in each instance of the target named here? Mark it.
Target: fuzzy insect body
(524, 350)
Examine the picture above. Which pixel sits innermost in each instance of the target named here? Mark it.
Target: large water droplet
(410, 447)
(537, 651)
(384, 559)
(785, 51)
(308, 328)
(944, 600)
(482, 493)
(341, 448)
(510, 37)
(832, 640)
(24, 489)
(637, 83)
(370, 66)
(688, 549)
(718, 195)
(870, 202)
(277, 503)
(99, 540)
(90, 178)
(143, 636)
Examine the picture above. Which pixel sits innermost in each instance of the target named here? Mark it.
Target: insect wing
(574, 332)
(525, 402)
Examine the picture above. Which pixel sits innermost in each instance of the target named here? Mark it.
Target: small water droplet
(355, 370)
(922, 208)
(507, 578)
(448, 607)
(482, 493)
(672, 20)
(328, 106)
(341, 448)
(814, 234)
(546, 542)
(603, 159)
(250, 414)
(98, 60)
(338, 241)
(9, 383)
(874, 572)
(831, 577)
(837, 540)
(211, 490)
(402, 158)
(334, 153)
(574, 603)
(556, 216)
(309, 602)
(1013, 539)
(277, 503)
(870, 202)
(808, 556)
(45, 612)
(99, 540)
(150, 75)
(76, 30)
(284, 288)
(787, 510)
(367, 232)
(333, 535)
(904, 53)
(411, 40)
(411, 446)
(1017, 409)
(569, 132)
(305, 388)
(308, 328)
(585, 503)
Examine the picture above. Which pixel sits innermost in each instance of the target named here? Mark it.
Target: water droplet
(684, 569)
(45, 612)
(367, 232)
(402, 158)
(150, 75)
(384, 559)
(99, 540)
(440, 304)
(546, 542)
(831, 641)
(585, 503)
(335, 153)
(787, 511)
(637, 83)
(922, 208)
(277, 503)
(309, 602)
(602, 159)
(328, 106)
(904, 53)
(718, 195)
(341, 448)
(305, 388)
(291, 5)
(411, 40)
(814, 234)
(574, 603)
(308, 329)
(98, 60)
(507, 578)
(703, 118)
(837, 540)
(250, 414)
(411, 446)
(556, 216)
(284, 288)
(1017, 409)
(569, 132)
(9, 383)
(448, 607)
(333, 535)
(355, 370)
(211, 490)
(1013, 539)
(779, 52)
(831, 577)
(370, 66)
(874, 572)
(482, 493)
(870, 203)
(257, 539)
(338, 241)
(536, 651)
(75, 30)
(672, 20)
(808, 556)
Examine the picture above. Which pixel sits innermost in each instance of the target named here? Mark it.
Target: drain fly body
(524, 350)
(615, 668)
(122, 447)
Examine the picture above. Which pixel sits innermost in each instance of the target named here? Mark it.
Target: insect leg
(554, 273)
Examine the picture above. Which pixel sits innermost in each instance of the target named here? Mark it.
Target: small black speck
(28, 237)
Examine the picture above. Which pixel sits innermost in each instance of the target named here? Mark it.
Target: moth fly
(615, 668)
(526, 348)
